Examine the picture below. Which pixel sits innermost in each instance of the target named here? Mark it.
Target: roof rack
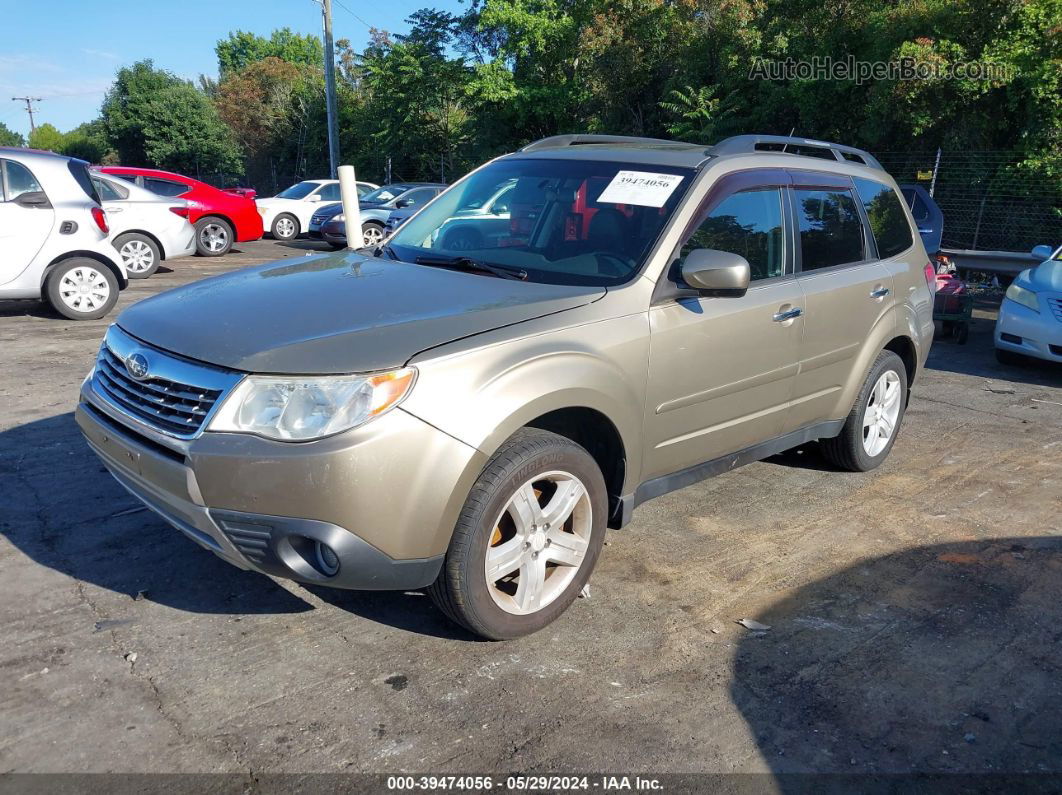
(795, 146)
(555, 141)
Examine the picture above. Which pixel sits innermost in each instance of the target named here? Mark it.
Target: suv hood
(341, 313)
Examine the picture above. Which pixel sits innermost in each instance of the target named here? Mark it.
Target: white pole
(348, 191)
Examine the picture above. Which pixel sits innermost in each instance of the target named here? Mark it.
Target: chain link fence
(990, 200)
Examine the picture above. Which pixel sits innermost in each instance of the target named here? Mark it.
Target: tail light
(931, 277)
(100, 218)
(181, 211)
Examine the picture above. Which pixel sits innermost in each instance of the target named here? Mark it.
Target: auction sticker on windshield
(642, 188)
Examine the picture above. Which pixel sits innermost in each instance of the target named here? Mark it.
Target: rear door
(121, 214)
(24, 227)
(846, 291)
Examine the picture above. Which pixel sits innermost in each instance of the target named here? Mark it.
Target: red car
(220, 218)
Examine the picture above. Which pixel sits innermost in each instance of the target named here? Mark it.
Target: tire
(213, 236)
(859, 448)
(962, 333)
(372, 234)
(140, 254)
(549, 469)
(64, 293)
(1009, 358)
(285, 227)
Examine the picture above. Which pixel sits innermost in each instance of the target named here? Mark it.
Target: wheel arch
(123, 282)
(220, 217)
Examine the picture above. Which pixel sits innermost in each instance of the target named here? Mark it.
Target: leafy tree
(9, 137)
(46, 137)
(88, 141)
(241, 49)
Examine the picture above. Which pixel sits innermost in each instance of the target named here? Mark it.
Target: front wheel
(372, 234)
(139, 254)
(527, 538)
(213, 237)
(82, 289)
(873, 424)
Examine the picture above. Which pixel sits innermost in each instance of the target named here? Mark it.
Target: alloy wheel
(882, 413)
(372, 235)
(285, 228)
(137, 256)
(214, 237)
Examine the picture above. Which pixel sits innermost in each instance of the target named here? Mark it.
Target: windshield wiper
(474, 265)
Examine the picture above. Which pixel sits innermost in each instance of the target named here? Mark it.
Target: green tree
(9, 137)
(88, 141)
(47, 137)
(242, 48)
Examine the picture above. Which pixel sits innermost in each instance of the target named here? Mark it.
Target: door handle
(789, 314)
(881, 292)
(115, 209)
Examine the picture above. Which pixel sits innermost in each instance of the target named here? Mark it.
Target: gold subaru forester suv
(563, 334)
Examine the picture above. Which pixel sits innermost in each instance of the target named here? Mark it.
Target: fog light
(327, 560)
(1013, 339)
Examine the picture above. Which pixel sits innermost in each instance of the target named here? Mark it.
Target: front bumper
(1023, 331)
(384, 498)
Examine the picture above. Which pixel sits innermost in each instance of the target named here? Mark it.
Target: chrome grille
(1056, 307)
(170, 406)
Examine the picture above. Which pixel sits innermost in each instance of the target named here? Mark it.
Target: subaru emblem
(137, 366)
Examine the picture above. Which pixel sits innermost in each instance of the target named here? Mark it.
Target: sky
(67, 51)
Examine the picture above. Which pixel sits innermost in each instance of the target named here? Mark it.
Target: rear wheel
(213, 237)
(872, 425)
(527, 539)
(285, 227)
(82, 289)
(139, 253)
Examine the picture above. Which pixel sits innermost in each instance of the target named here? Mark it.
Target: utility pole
(29, 108)
(330, 88)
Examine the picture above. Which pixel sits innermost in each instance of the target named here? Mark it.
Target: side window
(127, 177)
(415, 198)
(108, 191)
(18, 180)
(888, 221)
(165, 187)
(747, 223)
(330, 193)
(830, 230)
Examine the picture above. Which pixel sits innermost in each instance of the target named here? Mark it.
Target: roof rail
(555, 141)
(791, 145)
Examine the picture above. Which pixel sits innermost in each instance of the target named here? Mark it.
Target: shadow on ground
(62, 509)
(937, 659)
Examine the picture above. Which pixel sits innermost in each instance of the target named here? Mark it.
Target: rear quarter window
(888, 221)
(79, 171)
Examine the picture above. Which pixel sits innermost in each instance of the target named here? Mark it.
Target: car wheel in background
(874, 421)
(139, 254)
(285, 227)
(527, 538)
(372, 234)
(213, 237)
(82, 289)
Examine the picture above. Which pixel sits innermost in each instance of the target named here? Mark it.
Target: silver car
(471, 421)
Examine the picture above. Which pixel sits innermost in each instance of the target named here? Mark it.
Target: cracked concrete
(910, 608)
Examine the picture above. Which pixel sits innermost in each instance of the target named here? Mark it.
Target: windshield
(299, 190)
(384, 194)
(562, 221)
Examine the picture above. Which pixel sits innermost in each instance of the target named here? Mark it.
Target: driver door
(721, 369)
(23, 229)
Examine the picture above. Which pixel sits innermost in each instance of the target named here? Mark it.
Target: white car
(145, 228)
(1030, 317)
(287, 215)
(53, 235)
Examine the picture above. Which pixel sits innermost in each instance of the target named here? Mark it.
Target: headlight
(301, 408)
(1026, 298)
(341, 218)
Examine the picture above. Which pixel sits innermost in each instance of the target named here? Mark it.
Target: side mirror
(37, 199)
(403, 203)
(1041, 253)
(717, 272)
(314, 197)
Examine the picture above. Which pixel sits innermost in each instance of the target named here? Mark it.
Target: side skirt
(657, 487)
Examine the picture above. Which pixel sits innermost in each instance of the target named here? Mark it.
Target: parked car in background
(471, 421)
(220, 218)
(472, 226)
(287, 215)
(145, 228)
(1030, 317)
(329, 224)
(927, 215)
(53, 235)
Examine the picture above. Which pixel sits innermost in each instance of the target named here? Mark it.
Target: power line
(362, 21)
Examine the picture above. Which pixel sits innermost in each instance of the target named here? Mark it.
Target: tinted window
(165, 187)
(363, 189)
(19, 180)
(127, 177)
(749, 224)
(888, 221)
(417, 197)
(830, 230)
(330, 193)
(79, 171)
(108, 191)
(299, 190)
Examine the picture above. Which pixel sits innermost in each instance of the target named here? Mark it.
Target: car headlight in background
(341, 218)
(298, 409)
(1026, 298)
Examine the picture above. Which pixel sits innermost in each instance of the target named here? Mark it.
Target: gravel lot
(915, 612)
